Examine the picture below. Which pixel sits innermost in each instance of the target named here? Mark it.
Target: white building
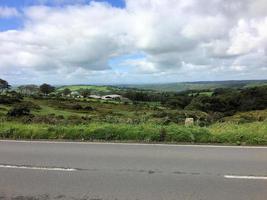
(112, 97)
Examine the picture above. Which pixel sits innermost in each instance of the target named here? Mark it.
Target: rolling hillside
(201, 85)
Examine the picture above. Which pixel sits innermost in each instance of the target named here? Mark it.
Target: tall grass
(105, 131)
(251, 133)
(248, 133)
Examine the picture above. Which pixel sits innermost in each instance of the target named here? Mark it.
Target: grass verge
(250, 133)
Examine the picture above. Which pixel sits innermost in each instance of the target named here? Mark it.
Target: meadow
(110, 121)
(223, 115)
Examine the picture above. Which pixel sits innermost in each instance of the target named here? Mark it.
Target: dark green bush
(18, 111)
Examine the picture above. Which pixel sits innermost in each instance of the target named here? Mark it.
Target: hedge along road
(55, 170)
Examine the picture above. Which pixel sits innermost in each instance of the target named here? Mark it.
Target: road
(95, 171)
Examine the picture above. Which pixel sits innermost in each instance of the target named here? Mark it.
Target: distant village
(115, 97)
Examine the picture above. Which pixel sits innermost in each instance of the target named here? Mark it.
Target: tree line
(44, 89)
(222, 100)
(226, 101)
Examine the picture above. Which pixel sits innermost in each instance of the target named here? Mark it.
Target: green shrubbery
(253, 133)
(107, 132)
(19, 111)
(222, 115)
(6, 99)
(249, 133)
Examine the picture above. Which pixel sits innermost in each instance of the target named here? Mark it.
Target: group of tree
(46, 89)
(43, 89)
(229, 101)
(145, 96)
(4, 85)
(222, 100)
(30, 89)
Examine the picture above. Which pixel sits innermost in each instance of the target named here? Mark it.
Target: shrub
(18, 111)
(88, 108)
(9, 99)
(29, 104)
(76, 107)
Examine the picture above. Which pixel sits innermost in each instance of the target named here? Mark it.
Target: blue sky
(17, 22)
(132, 41)
(23, 3)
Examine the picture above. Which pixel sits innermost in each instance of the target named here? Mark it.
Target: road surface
(95, 171)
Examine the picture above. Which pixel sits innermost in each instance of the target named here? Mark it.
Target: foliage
(251, 133)
(46, 89)
(221, 115)
(28, 89)
(85, 92)
(248, 133)
(66, 92)
(10, 99)
(4, 85)
(19, 110)
(200, 85)
(93, 88)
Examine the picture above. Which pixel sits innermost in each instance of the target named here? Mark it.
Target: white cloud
(176, 37)
(7, 12)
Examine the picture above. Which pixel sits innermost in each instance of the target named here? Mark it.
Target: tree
(85, 92)
(28, 89)
(66, 92)
(3, 85)
(46, 89)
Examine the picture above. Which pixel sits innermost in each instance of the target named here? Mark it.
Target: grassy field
(90, 87)
(90, 120)
(225, 133)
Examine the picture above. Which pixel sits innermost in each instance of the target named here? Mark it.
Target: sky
(132, 41)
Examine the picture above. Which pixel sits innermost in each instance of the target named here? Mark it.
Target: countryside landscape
(229, 112)
(133, 99)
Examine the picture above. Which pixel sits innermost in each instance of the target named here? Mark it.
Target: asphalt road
(51, 170)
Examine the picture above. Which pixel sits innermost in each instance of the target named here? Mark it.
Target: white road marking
(246, 177)
(38, 168)
(135, 144)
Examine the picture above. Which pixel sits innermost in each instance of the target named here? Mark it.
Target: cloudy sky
(132, 41)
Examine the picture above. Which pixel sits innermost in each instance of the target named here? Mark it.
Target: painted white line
(246, 177)
(38, 168)
(135, 144)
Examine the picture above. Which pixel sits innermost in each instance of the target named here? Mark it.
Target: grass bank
(227, 133)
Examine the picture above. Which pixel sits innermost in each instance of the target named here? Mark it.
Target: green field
(170, 87)
(112, 121)
(202, 85)
(90, 87)
(230, 115)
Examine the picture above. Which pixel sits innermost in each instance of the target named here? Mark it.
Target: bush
(4, 99)
(18, 111)
(76, 107)
(88, 108)
(29, 104)
(48, 119)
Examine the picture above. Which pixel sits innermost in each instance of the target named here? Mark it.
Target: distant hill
(168, 87)
(200, 85)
